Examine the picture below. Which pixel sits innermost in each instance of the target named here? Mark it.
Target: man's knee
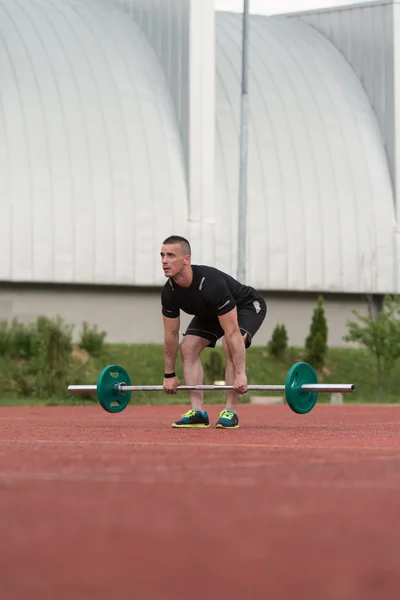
(190, 348)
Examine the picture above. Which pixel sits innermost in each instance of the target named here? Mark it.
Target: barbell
(114, 388)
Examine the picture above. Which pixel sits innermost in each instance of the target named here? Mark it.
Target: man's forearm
(238, 351)
(171, 344)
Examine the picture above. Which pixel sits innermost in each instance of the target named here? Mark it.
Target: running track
(122, 507)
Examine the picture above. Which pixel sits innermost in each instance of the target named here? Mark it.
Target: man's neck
(185, 278)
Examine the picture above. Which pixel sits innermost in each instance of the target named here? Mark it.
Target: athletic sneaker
(227, 420)
(193, 418)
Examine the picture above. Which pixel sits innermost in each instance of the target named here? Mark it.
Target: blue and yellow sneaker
(193, 418)
(227, 420)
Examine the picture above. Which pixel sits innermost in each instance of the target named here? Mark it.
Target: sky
(270, 7)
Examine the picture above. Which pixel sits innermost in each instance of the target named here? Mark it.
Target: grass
(144, 363)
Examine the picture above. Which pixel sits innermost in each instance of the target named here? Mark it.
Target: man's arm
(235, 342)
(171, 342)
(233, 337)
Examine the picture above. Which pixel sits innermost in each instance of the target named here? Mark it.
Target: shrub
(317, 340)
(317, 353)
(380, 335)
(278, 343)
(20, 340)
(92, 340)
(36, 357)
(4, 338)
(214, 367)
(49, 363)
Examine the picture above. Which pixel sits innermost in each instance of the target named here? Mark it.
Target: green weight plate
(108, 396)
(299, 401)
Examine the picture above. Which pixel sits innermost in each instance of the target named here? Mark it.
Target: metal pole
(307, 387)
(243, 148)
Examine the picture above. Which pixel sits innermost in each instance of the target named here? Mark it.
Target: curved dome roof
(93, 174)
(320, 199)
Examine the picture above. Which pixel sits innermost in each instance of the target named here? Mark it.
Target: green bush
(37, 359)
(92, 340)
(380, 335)
(214, 367)
(4, 338)
(46, 352)
(317, 352)
(317, 340)
(145, 364)
(18, 340)
(278, 343)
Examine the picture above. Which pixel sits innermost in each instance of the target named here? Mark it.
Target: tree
(278, 343)
(380, 335)
(317, 339)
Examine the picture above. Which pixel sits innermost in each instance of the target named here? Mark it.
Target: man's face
(172, 259)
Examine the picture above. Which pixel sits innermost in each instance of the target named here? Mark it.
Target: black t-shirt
(211, 294)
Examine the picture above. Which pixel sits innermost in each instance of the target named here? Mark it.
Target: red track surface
(122, 506)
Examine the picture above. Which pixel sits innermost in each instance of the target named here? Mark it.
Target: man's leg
(250, 319)
(231, 396)
(190, 348)
(199, 334)
(228, 418)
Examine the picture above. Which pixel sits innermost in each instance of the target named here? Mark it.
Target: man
(222, 307)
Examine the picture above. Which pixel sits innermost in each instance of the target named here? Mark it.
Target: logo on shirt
(257, 306)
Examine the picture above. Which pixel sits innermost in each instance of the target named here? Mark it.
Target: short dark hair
(178, 239)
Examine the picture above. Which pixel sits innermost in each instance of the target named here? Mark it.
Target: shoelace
(226, 414)
(189, 413)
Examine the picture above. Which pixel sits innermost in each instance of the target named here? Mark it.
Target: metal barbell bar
(307, 387)
(301, 388)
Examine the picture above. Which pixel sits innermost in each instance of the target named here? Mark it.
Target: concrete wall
(129, 315)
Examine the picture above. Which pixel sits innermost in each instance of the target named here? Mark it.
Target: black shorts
(250, 318)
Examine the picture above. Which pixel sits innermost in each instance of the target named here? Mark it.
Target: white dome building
(119, 125)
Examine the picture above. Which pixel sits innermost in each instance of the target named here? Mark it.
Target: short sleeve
(220, 297)
(168, 304)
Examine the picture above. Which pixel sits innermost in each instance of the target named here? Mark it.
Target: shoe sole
(197, 425)
(219, 426)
